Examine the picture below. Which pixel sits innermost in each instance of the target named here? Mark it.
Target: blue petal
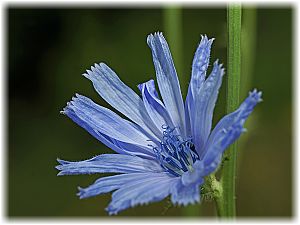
(117, 146)
(229, 129)
(154, 106)
(108, 163)
(184, 195)
(200, 64)
(167, 80)
(110, 183)
(107, 122)
(141, 191)
(120, 96)
(189, 110)
(187, 190)
(195, 176)
(131, 149)
(199, 67)
(204, 103)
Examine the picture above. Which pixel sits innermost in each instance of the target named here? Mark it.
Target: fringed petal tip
(219, 66)
(81, 193)
(71, 103)
(185, 195)
(190, 200)
(74, 101)
(256, 95)
(157, 34)
(60, 173)
(65, 110)
(94, 70)
(68, 168)
(249, 103)
(62, 162)
(60, 167)
(206, 41)
(114, 210)
(187, 202)
(111, 211)
(85, 193)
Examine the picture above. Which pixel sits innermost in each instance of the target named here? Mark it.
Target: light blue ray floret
(164, 147)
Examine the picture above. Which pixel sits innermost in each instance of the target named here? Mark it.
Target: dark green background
(49, 49)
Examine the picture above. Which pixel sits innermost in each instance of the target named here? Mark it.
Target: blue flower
(165, 147)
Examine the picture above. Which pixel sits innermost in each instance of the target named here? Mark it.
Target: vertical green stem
(216, 190)
(228, 175)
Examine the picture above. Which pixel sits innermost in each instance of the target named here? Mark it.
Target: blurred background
(49, 48)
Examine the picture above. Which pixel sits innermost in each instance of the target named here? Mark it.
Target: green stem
(216, 189)
(227, 201)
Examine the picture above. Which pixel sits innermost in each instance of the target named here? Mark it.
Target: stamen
(175, 154)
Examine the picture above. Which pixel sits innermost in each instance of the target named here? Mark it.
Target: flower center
(175, 154)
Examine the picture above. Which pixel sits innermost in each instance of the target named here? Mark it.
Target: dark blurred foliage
(48, 50)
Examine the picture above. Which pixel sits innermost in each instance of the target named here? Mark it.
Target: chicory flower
(164, 147)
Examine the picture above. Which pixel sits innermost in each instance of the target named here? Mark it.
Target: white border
(145, 3)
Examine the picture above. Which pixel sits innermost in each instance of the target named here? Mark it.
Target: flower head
(165, 147)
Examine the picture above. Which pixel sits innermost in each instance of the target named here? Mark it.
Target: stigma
(175, 154)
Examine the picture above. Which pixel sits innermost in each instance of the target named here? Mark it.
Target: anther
(175, 154)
